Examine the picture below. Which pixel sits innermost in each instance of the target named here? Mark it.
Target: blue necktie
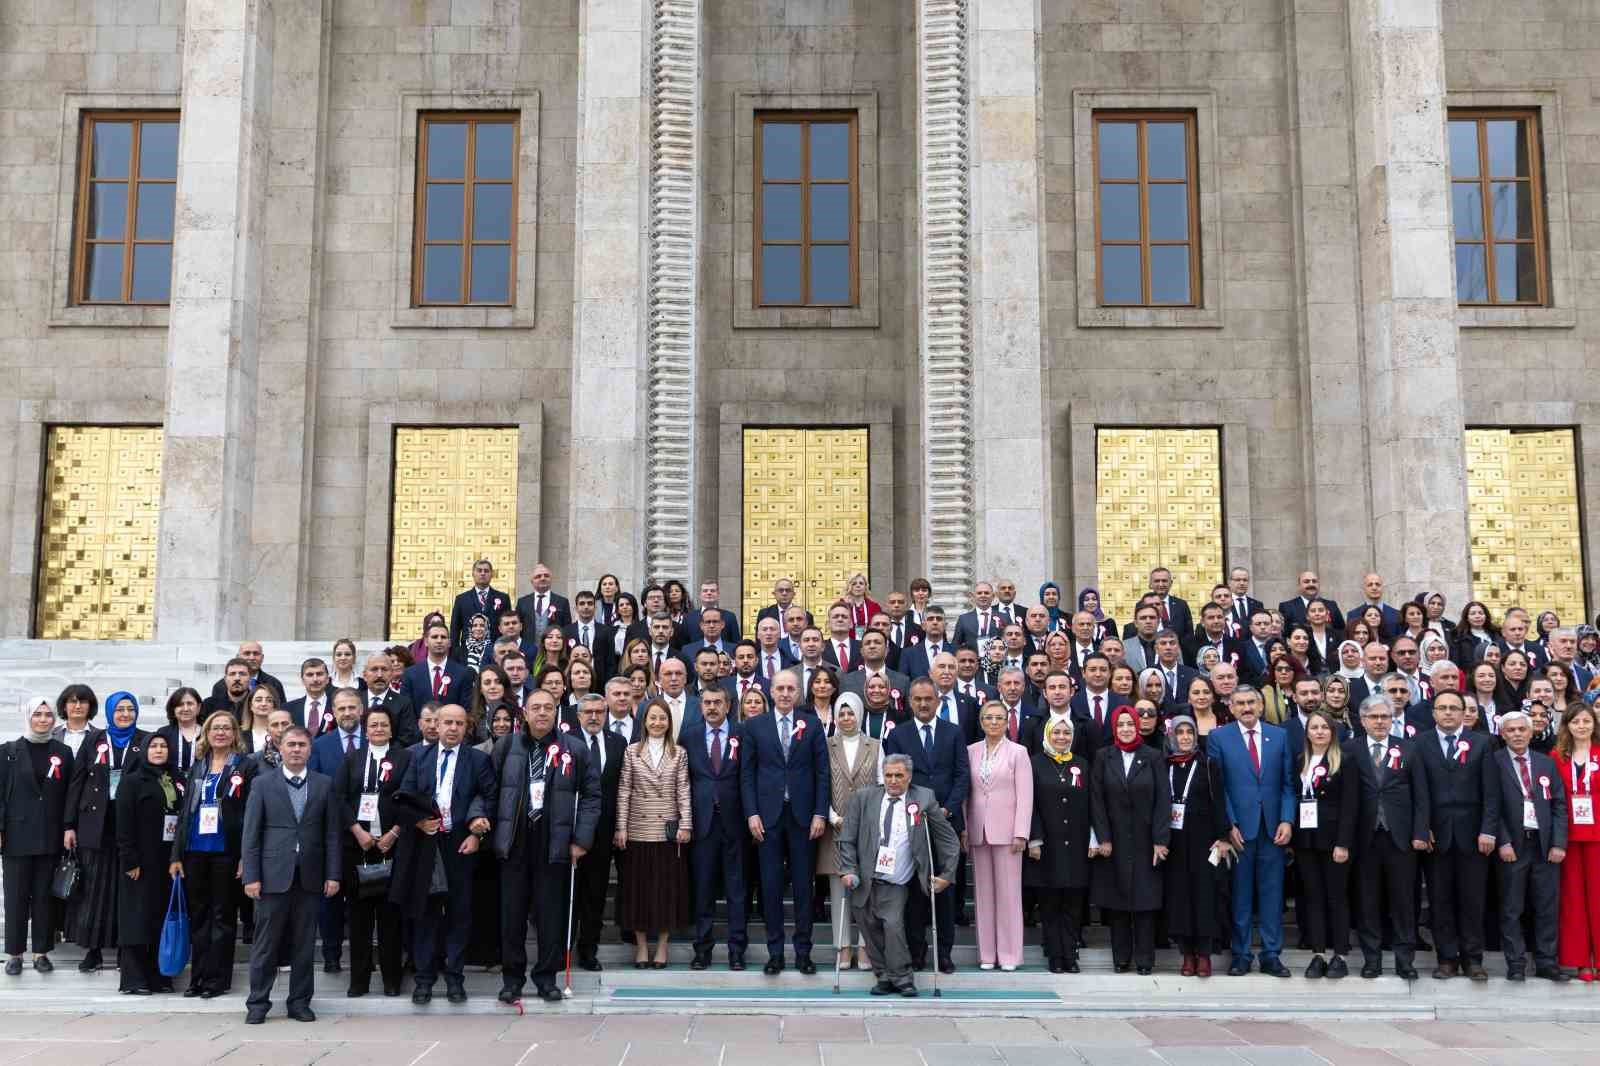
(927, 738)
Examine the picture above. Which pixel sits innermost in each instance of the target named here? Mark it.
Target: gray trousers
(284, 918)
(882, 921)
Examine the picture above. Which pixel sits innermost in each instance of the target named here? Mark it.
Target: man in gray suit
(883, 848)
(874, 660)
(291, 862)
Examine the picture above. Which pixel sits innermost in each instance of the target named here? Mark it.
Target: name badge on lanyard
(116, 783)
(884, 867)
(1582, 799)
(1180, 805)
(367, 807)
(1582, 810)
(1530, 815)
(1308, 814)
(209, 819)
(536, 795)
(169, 828)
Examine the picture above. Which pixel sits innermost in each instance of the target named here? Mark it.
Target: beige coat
(648, 797)
(845, 780)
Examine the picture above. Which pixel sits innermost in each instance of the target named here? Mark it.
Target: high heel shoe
(659, 964)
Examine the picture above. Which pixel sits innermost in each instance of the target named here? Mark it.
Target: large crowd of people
(887, 770)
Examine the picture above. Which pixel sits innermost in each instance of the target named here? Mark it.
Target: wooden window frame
(1484, 181)
(1143, 182)
(468, 182)
(81, 241)
(852, 179)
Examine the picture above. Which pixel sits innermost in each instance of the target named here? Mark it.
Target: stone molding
(672, 324)
(945, 307)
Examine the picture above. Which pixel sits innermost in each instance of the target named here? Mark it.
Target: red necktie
(349, 743)
(1527, 782)
(1164, 617)
(438, 681)
(1011, 724)
(1099, 712)
(314, 718)
(744, 687)
(844, 658)
(771, 667)
(716, 751)
(1255, 753)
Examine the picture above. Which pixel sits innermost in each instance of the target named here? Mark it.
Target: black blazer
(496, 604)
(89, 801)
(1502, 800)
(33, 812)
(1456, 787)
(349, 782)
(231, 799)
(472, 794)
(713, 794)
(604, 647)
(1132, 812)
(1060, 824)
(1294, 611)
(560, 611)
(403, 714)
(297, 711)
(1401, 788)
(177, 757)
(946, 772)
(610, 774)
(1338, 799)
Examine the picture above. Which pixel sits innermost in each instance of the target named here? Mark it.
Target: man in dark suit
(841, 650)
(938, 752)
(1372, 589)
(716, 858)
(437, 678)
(1392, 826)
(1005, 601)
(917, 660)
(546, 813)
(460, 780)
(978, 626)
(378, 693)
(784, 791)
(709, 625)
(1174, 610)
(903, 629)
(1253, 647)
(783, 596)
(970, 680)
(1177, 676)
(953, 707)
(1093, 704)
(1055, 701)
(1244, 604)
(542, 607)
(1525, 806)
(1294, 610)
(1513, 637)
(1213, 632)
(327, 754)
(1454, 759)
(252, 655)
(746, 672)
(594, 869)
(711, 600)
(482, 599)
(314, 710)
(772, 651)
(599, 639)
(291, 861)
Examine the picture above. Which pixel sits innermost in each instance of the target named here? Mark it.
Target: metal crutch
(838, 935)
(933, 906)
(572, 882)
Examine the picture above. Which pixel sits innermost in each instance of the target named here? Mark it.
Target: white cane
(838, 935)
(572, 881)
(933, 906)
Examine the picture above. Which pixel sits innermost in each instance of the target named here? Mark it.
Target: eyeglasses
(1147, 714)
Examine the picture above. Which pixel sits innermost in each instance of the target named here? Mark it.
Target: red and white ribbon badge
(1544, 783)
(444, 684)
(102, 753)
(1411, 730)
(550, 754)
(1461, 751)
(1318, 772)
(1394, 758)
(497, 602)
(55, 768)
(733, 747)
(565, 727)
(384, 769)
(566, 763)
(799, 728)
(1077, 777)
(235, 783)
(913, 810)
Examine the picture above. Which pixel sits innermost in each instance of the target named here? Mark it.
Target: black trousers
(918, 915)
(1387, 876)
(1058, 921)
(137, 968)
(367, 915)
(1531, 883)
(28, 902)
(212, 888)
(330, 927)
(594, 879)
(1325, 911)
(284, 918)
(446, 920)
(1457, 883)
(1133, 937)
(532, 889)
(716, 861)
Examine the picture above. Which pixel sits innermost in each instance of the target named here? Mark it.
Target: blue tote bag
(173, 955)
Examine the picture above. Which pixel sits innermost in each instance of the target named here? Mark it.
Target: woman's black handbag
(64, 882)
(372, 879)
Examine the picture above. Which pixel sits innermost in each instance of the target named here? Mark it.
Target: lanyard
(1308, 779)
(1587, 774)
(1171, 770)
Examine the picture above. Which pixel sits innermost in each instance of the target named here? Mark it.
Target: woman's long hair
(202, 746)
(1332, 756)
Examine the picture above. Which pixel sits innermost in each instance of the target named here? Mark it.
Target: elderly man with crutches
(549, 806)
(894, 835)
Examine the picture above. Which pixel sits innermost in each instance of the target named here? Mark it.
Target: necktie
(1527, 781)
(899, 633)
(377, 701)
(927, 738)
(1164, 616)
(314, 717)
(438, 680)
(1172, 681)
(483, 595)
(1452, 752)
(1099, 711)
(888, 819)
(1377, 755)
(584, 636)
(538, 605)
(946, 708)
(844, 658)
(716, 751)
(772, 666)
(783, 733)
(1011, 723)
(594, 750)
(616, 726)
(297, 781)
(744, 686)
(349, 743)
(1255, 752)
(660, 655)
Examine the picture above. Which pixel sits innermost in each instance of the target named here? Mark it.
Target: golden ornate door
(805, 513)
(1522, 521)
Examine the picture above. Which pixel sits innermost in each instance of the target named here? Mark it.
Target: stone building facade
(1324, 342)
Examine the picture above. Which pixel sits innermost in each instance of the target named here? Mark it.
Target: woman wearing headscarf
(854, 760)
(1350, 666)
(35, 770)
(1151, 735)
(1433, 610)
(1132, 813)
(1431, 649)
(1199, 825)
(1104, 625)
(476, 643)
(97, 774)
(147, 824)
(1057, 869)
(1050, 599)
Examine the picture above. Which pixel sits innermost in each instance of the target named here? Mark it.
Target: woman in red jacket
(1579, 764)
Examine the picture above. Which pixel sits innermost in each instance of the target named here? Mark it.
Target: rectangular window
(1497, 206)
(466, 225)
(127, 184)
(1523, 525)
(1146, 211)
(455, 502)
(805, 209)
(1158, 502)
(98, 533)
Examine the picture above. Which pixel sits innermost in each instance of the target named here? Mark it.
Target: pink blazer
(1000, 809)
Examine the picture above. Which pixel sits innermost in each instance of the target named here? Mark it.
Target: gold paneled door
(805, 513)
(1522, 518)
(455, 502)
(1158, 502)
(97, 544)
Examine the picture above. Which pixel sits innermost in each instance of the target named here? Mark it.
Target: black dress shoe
(1338, 968)
(43, 964)
(1274, 967)
(355, 992)
(255, 1017)
(331, 966)
(551, 994)
(1144, 971)
(1070, 966)
(1553, 973)
(192, 991)
(946, 965)
(884, 988)
(909, 992)
(302, 1014)
(1516, 975)
(420, 996)
(774, 966)
(1406, 973)
(456, 994)
(136, 991)
(391, 990)
(13, 967)
(590, 963)
(735, 962)
(210, 993)
(1239, 967)
(90, 963)
(699, 962)
(1057, 966)
(1371, 971)
(1318, 967)
(508, 994)
(804, 964)
(1122, 967)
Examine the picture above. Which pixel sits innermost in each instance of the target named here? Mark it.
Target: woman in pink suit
(999, 814)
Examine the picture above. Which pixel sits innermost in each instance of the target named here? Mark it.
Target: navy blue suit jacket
(730, 626)
(945, 770)
(764, 773)
(473, 792)
(915, 659)
(1256, 799)
(416, 684)
(714, 793)
(327, 751)
(730, 685)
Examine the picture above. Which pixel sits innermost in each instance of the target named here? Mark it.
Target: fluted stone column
(212, 343)
(606, 522)
(1415, 433)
